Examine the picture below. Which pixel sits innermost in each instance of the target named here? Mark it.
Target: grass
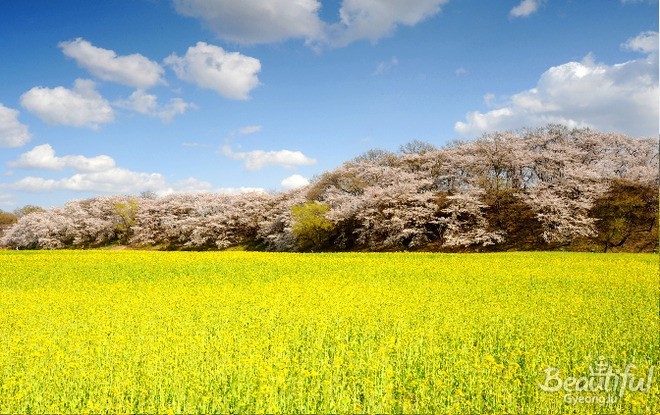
(187, 332)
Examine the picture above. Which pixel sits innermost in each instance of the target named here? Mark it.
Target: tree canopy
(545, 188)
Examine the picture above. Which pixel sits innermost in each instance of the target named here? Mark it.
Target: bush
(310, 226)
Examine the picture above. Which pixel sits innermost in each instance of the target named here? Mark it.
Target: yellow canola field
(188, 332)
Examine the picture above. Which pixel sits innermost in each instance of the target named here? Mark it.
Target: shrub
(310, 226)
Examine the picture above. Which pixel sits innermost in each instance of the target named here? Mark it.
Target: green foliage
(125, 219)
(310, 226)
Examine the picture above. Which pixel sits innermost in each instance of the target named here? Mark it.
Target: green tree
(310, 226)
(125, 219)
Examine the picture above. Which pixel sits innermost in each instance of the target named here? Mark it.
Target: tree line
(546, 188)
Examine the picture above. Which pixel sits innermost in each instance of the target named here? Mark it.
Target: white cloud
(7, 199)
(645, 42)
(81, 106)
(114, 180)
(294, 181)
(258, 159)
(133, 70)
(461, 71)
(176, 106)
(100, 174)
(144, 103)
(525, 8)
(386, 66)
(40, 157)
(621, 98)
(374, 19)
(95, 174)
(189, 185)
(43, 157)
(192, 144)
(267, 21)
(230, 74)
(256, 21)
(12, 132)
(250, 129)
(139, 101)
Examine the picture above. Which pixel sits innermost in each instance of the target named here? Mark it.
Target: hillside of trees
(543, 189)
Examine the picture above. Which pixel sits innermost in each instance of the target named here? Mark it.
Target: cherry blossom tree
(529, 189)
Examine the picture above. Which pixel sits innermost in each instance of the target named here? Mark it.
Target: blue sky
(125, 96)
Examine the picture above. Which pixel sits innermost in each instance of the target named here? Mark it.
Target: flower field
(184, 332)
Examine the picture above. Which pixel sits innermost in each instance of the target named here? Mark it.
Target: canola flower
(220, 332)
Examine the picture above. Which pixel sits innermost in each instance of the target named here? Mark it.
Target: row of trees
(545, 188)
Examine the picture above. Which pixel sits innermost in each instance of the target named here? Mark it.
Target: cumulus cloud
(189, 185)
(43, 157)
(621, 98)
(94, 174)
(115, 180)
(294, 181)
(118, 180)
(144, 103)
(372, 20)
(12, 132)
(81, 106)
(267, 21)
(133, 70)
(645, 42)
(258, 159)
(525, 8)
(256, 21)
(230, 74)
